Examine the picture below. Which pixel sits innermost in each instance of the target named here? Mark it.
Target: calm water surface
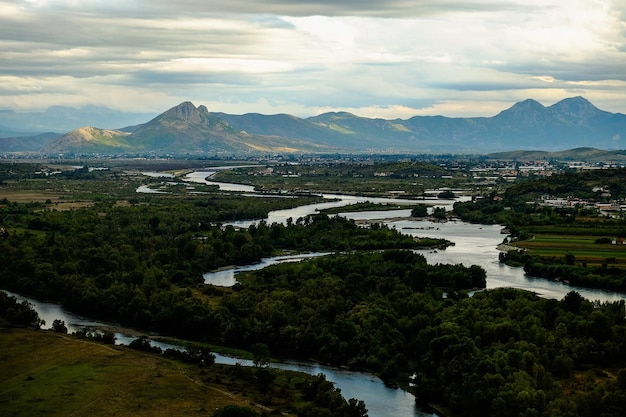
(201, 178)
(226, 277)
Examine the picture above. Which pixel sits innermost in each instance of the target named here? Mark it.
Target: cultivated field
(582, 247)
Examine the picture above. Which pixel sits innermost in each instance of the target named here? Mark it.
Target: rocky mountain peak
(185, 111)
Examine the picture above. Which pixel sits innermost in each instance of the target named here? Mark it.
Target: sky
(389, 59)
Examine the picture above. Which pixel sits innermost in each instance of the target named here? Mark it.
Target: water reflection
(226, 277)
(51, 311)
(476, 244)
(201, 178)
(147, 190)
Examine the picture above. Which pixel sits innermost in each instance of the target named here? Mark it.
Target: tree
(59, 326)
(449, 195)
(420, 210)
(572, 302)
(261, 354)
(142, 343)
(439, 213)
(356, 408)
(479, 276)
(154, 222)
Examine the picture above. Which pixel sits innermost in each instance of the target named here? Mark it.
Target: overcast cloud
(378, 59)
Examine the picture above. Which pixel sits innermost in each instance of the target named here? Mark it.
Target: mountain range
(187, 129)
(63, 119)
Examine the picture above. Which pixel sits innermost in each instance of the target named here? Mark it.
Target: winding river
(381, 401)
(474, 244)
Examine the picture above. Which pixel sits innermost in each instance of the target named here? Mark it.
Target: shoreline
(504, 247)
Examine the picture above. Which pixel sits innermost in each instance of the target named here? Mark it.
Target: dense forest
(510, 353)
(563, 269)
(372, 305)
(357, 310)
(136, 264)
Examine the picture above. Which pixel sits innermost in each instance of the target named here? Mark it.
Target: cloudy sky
(394, 58)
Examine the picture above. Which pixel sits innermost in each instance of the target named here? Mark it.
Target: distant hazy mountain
(576, 154)
(63, 119)
(187, 129)
(6, 132)
(570, 123)
(184, 129)
(27, 143)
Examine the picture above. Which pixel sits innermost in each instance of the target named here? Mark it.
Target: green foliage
(354, 178)
(261, 354)
(579, 184)
(327, 400)
(142, 343)
(59, 326)
(516, 352)
(18, 314)
(357, 207)
(133, 264)
(446, 195)
(17, 171)
(439, 213)
(358, 310)
(485, 210)
(420, 210)
(564, 269)
(382, 311)
(106, 337)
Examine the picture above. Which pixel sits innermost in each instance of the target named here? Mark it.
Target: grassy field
(322, 180)
(581, 246)
(49, 374)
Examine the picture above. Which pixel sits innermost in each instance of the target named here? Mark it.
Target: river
(474, 245)
(225, 277)
(381, 401)
(201, 177)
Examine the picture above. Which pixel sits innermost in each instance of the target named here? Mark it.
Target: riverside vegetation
(51, 373)
(574, 243)
(374, 305)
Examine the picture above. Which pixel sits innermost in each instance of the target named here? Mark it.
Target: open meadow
(43, 373)
(582, 248)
